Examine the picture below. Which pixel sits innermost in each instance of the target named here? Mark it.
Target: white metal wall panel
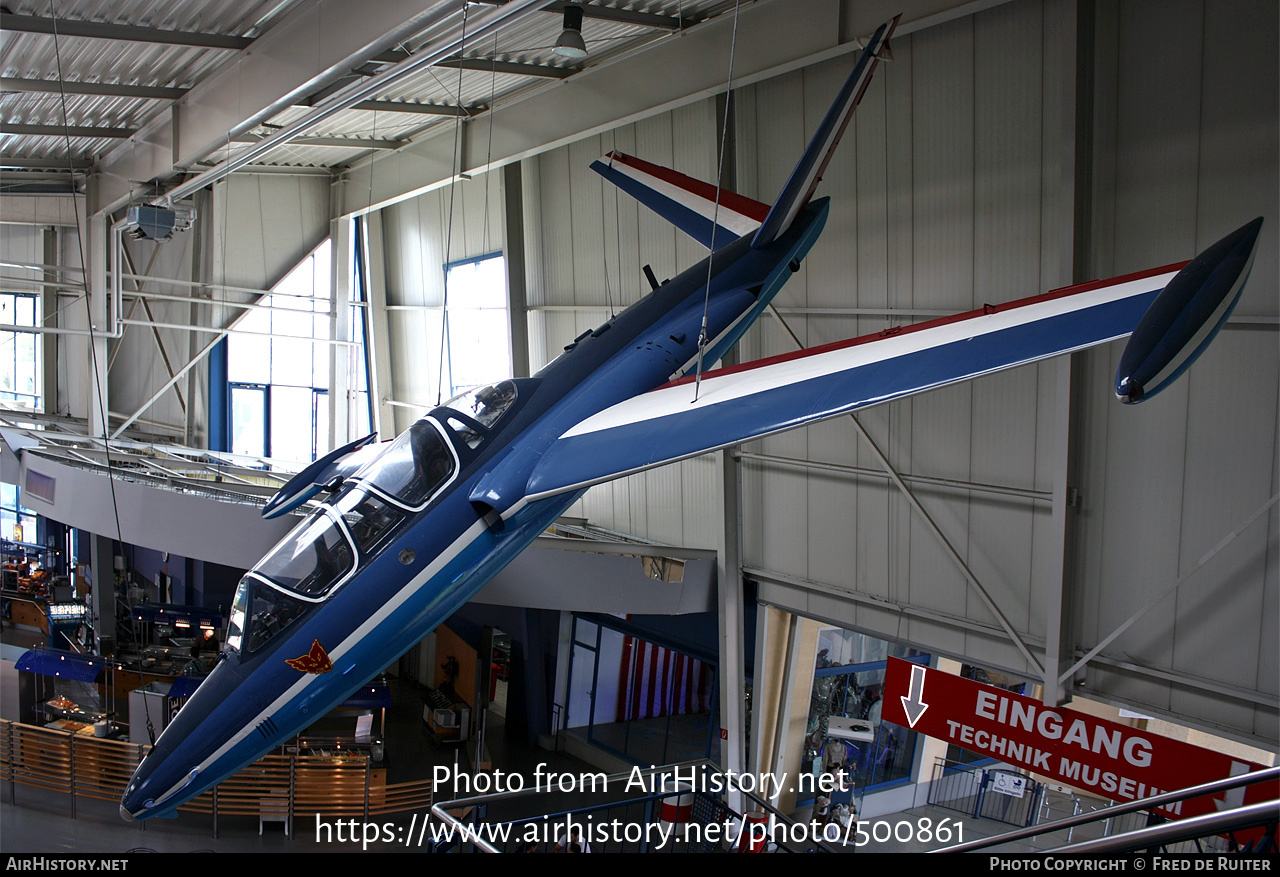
(137, 366)
(943, 206)
(981, 212)
(592, 244)
(1186, 152)
(265, 224)
(422, 235)
(261, 227)
(940, 197)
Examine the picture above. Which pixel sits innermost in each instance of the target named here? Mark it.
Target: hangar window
(477, 331)
(20, 351)
(278, 367)
(16, 522)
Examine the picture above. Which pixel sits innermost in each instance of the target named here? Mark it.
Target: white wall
(1186, 152)
(943, 200)
(589, 245)
(255, 229)
(420, 236)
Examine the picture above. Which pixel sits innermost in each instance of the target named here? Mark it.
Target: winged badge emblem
(314, 661)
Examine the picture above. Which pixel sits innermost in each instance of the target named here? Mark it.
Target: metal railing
(291, 785)
(979, 792)
(1161, 835)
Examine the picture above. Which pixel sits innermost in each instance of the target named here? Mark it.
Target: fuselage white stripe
(443, 559)
(724, 388)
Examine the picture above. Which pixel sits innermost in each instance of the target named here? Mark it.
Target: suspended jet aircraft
(404, 535)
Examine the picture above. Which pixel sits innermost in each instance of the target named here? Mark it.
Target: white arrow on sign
(913, 703)
(1234, 798)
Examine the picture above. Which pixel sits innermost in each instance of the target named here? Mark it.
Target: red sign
(1104, 758)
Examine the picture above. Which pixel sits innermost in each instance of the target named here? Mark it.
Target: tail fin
(807, 174)
(686, 203)
(690, 204)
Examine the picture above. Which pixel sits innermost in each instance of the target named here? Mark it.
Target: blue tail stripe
(688, 221)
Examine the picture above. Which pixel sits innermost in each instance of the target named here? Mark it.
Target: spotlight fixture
(570, 44)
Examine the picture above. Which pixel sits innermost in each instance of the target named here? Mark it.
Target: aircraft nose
(168, 774)
(132, 807)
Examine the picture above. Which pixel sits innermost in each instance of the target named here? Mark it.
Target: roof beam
(674, 73)
(396, 106)
(53, 86)
(613, 13)
(399, 106)
(443, 47)
(300, 54)
(53, 163)
(341, 142)
(66, 27)
(771, 40)
(489, 66)
(70, 131)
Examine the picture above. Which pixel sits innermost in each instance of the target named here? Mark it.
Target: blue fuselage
(471, 528)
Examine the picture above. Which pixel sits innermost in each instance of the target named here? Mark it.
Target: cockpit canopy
(485, 405)
(366, 514)
(412, 467)
(314, 557)
(480, 408)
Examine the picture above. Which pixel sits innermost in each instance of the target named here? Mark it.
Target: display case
(73, 706)
(62, 690)
(356, 728)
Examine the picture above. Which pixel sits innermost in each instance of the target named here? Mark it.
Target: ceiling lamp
(570, 44)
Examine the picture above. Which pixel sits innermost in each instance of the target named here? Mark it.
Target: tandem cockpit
(362, 515)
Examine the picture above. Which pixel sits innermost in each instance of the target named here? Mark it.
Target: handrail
(1247, 779)
(1183, 829)
(99, 769)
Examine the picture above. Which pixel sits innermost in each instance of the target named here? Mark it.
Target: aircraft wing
(741, 403)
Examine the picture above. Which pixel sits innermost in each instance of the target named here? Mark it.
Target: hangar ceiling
(83, 82)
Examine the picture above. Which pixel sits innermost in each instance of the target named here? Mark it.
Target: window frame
(263, 372)
(11, 337)
(451, 306)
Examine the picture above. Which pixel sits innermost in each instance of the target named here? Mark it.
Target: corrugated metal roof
(39, 57)
(78, 59)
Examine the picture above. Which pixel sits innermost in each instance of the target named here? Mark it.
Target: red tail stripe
(1063, 292)
(728, 200)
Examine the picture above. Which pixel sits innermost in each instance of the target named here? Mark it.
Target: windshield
(311, 559)
(412, 467)
(258, 614)
(370, 520)
(485, 405)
